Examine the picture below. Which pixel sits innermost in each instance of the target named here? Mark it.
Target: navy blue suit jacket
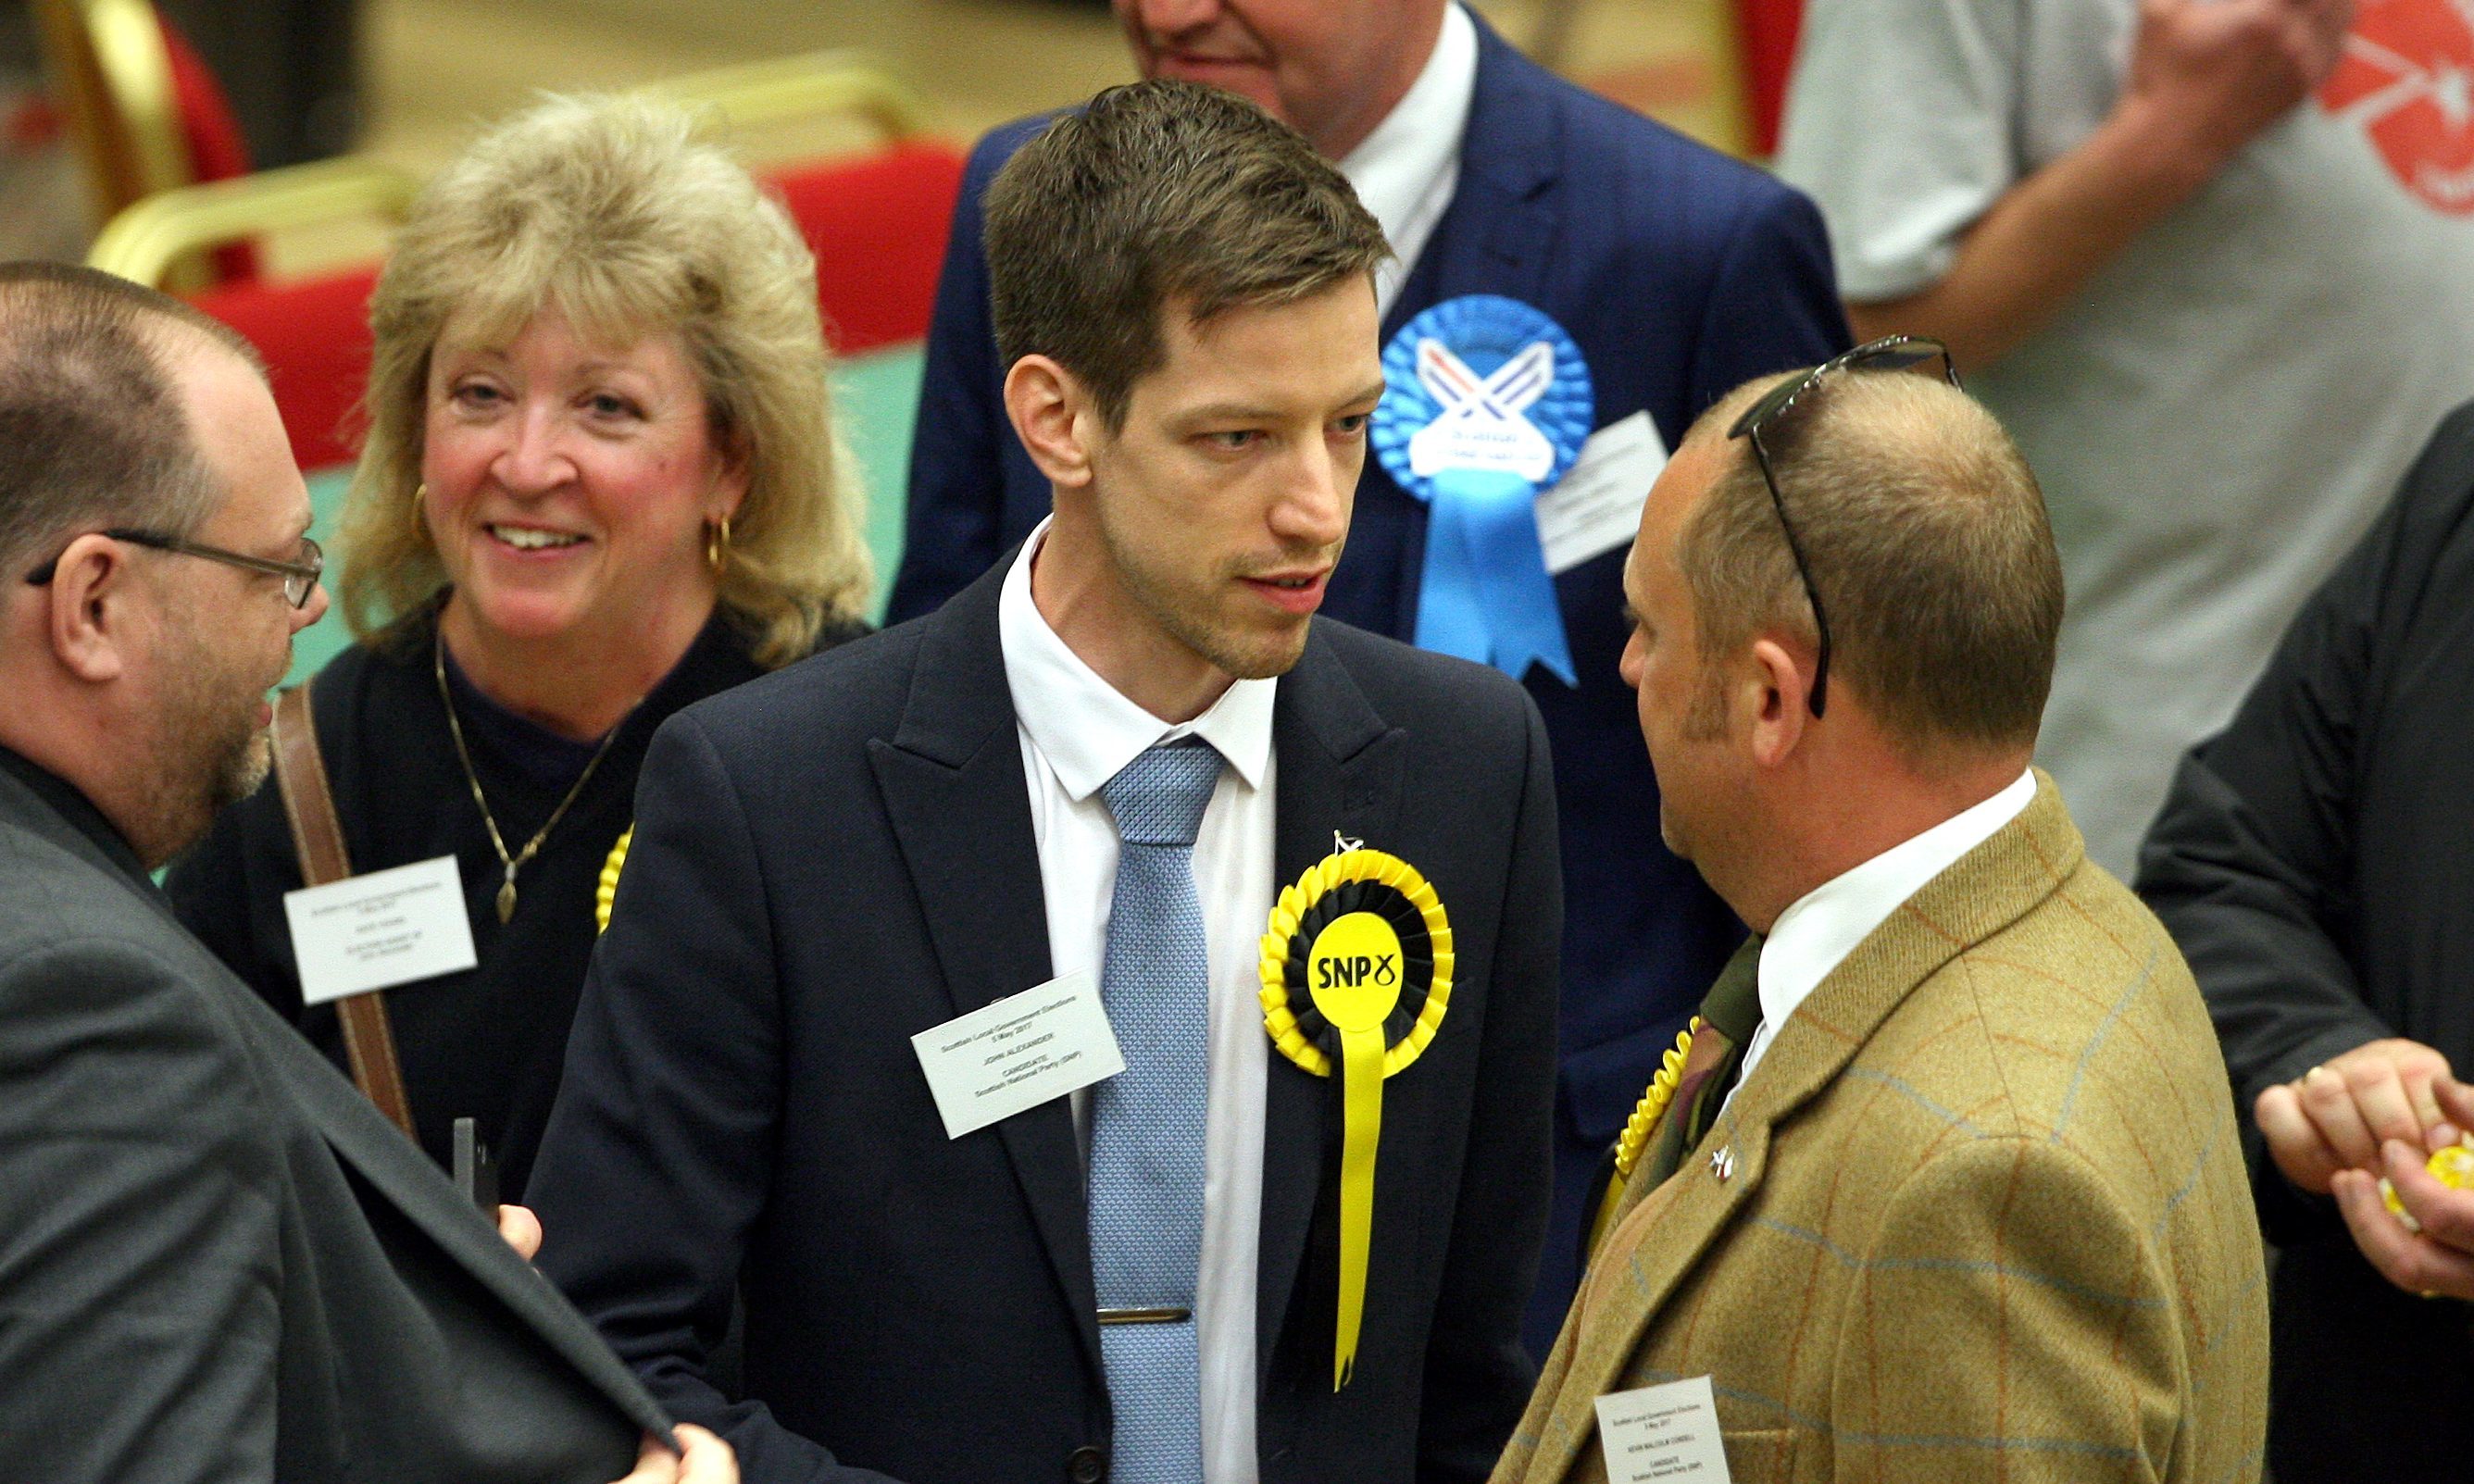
(1682, 274)
(836, 856)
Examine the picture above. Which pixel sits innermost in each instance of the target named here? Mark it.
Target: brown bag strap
(310, 807)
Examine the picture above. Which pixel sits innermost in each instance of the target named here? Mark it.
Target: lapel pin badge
(1722, 1161)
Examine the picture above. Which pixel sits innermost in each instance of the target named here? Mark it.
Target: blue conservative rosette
(1485, 404)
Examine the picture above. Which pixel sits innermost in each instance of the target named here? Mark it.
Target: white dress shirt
(1077, 732)
(1405, 171)
(1816, 934)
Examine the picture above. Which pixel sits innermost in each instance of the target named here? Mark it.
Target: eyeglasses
(1896, 352)
(299, 578)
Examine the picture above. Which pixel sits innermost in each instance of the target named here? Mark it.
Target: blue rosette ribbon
(1485, 404)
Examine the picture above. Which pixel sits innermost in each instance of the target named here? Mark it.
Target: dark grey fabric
(2315, 864)
(840, 855)
(217, 1262)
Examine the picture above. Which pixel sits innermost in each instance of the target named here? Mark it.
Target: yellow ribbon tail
(1361, 1095)
(1605, 1220)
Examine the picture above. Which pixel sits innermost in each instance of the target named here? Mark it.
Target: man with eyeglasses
(217, 1260)
(1944, 1184)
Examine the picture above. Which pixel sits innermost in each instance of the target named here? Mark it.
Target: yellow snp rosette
(607, 893)
(1357, 973)
(1635, 1140)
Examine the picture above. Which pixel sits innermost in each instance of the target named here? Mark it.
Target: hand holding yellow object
(2452, 1165)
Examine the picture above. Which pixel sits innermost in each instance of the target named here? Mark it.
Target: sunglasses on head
(1895, 353)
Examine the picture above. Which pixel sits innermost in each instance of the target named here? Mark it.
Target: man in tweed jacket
(1974, 1209)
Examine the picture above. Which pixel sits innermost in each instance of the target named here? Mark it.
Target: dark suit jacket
(1682, 274)
(835, 858)
(2313, 862)
(217, 1262)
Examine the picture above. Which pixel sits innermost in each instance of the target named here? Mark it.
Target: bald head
(93, 433)
(1927, 542)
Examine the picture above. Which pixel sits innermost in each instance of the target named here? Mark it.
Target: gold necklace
(455, 729)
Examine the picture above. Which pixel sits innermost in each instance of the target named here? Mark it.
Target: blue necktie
(1147, 1122)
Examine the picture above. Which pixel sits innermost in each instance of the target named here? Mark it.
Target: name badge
(1596, 508)
(379, 930)
(1018, 1053)
(1663, 1432)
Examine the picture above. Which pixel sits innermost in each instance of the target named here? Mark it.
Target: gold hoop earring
(420, 499)
(716, 545)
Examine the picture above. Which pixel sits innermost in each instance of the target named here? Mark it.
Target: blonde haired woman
(600, 482)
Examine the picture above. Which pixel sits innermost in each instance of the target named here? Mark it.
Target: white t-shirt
(2220, 411)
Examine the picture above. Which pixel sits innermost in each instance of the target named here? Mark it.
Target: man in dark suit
(217, 1262)
(1100, 764)
(1679, 273)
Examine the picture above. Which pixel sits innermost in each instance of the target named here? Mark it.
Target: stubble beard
(208, 751)
(1187, 618)
(1705, 721)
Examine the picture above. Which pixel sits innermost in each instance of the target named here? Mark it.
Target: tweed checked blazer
(1985, 1214)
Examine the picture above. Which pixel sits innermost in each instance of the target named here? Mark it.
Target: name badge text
(379, 930)
(1018, 1053)
(1661, 1433)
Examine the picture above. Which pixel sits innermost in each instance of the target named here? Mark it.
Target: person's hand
(522, 1229)
(2438, 1260)
(2337, 1116)
(708, 1460)
(2215, 73)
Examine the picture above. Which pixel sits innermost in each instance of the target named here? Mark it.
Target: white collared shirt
(1406, 170)
(1077, 732)
(1816, 934)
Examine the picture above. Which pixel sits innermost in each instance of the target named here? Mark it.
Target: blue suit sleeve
(658, 1156)
(1775, 303)
(954, 525)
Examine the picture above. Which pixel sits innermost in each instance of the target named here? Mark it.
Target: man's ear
(1777, 684)
(1053, 415)
(92, 609)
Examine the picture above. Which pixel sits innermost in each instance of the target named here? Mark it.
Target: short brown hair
(92, 431)
(609, 210)
(1927, 537)
(1160, 193)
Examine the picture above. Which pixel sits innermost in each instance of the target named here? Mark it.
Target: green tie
(1728, 1016)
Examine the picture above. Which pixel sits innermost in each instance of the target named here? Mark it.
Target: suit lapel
(1984, 892)
(402, 1174)
(1498, 235)
(955, 795)
(1339, 771)
(1665, 1237)
(1647, 1254)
